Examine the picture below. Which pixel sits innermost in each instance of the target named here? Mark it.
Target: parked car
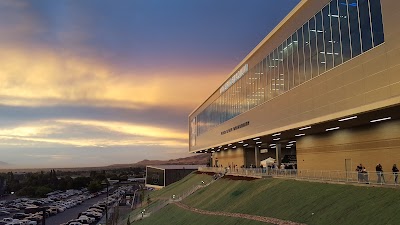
(52, 211)
(96, 215)
(85, 220)
(14, 223)
(4, 213)
(20, 215)
(8, 219)
(28, 222)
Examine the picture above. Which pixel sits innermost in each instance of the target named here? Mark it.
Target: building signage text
(235, 127)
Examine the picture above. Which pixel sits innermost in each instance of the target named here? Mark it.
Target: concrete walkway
(239, 215)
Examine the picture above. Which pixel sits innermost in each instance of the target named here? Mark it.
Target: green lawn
(173, 215)
(184, 185)
(177, 188)
(300, 201)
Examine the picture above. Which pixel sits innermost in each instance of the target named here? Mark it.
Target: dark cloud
(153, 34)
(172, 118)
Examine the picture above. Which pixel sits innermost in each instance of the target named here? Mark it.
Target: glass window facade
(342, 30)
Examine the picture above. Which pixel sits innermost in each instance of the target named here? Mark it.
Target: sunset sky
(93, 83)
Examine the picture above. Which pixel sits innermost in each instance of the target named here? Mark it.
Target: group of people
(363, 174)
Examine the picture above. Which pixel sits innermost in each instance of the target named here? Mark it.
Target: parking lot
(69, 207)
(72, 213)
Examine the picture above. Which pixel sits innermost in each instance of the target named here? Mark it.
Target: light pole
(106, 183)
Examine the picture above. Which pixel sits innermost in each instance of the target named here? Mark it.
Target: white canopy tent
(268, 161)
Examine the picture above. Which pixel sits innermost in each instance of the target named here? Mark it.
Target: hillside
(298, 201)
(198, 159)
(4, 163)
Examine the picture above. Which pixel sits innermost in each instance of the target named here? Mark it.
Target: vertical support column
(256, 151)
(278, 153)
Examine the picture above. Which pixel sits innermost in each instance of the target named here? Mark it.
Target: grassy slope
(284, 199)
(297, 200)
(173, 215)
(184, 185)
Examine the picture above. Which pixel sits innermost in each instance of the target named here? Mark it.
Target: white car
(94, 212)
(86, 219)
(75, 223)
(8, 219)
(96, 215)
(28, 222)
(14, 223)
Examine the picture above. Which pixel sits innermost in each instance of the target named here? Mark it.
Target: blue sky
(91, 83)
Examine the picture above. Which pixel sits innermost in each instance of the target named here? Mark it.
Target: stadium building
(322, 91)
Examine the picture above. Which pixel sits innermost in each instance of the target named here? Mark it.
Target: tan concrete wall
(366, 145)
(229, 158)
(369, 81)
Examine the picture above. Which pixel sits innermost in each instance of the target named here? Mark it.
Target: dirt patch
(207, 173)
(239, 215)
(231, 177)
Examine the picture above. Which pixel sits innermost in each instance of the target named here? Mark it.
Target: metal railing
(377, 178)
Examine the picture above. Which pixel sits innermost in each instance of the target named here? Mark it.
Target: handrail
(378, 178)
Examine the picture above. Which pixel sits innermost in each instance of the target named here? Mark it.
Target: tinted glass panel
(289, 52)
(313, 47)
(344, 30)
(296, 80)
(365, 25)
(281, 71)
(320, 43)
(337, 51)
(377, 24)
(307, 52)
(301, 55)
(354, 27)
(285, 64)
(327, 38)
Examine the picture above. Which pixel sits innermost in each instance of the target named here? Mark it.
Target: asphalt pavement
(72, 213)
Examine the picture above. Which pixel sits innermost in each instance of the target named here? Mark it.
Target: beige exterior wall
(369, 146)
(229, 158)
(369, 81)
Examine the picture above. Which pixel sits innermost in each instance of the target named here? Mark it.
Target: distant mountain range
(4, 164)
(200, 159)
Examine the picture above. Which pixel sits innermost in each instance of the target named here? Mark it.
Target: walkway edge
(238, 215)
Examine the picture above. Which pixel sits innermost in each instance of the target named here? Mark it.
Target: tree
(94, 186)
(42, 191)
(27, 191)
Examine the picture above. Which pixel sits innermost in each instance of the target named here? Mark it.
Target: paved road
(72, 213)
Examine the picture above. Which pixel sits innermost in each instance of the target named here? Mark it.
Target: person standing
(364, 175)
(359, 172)
(395, 171)
(379, 173)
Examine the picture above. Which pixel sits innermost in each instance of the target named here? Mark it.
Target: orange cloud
(40, 132)
(35, 77)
